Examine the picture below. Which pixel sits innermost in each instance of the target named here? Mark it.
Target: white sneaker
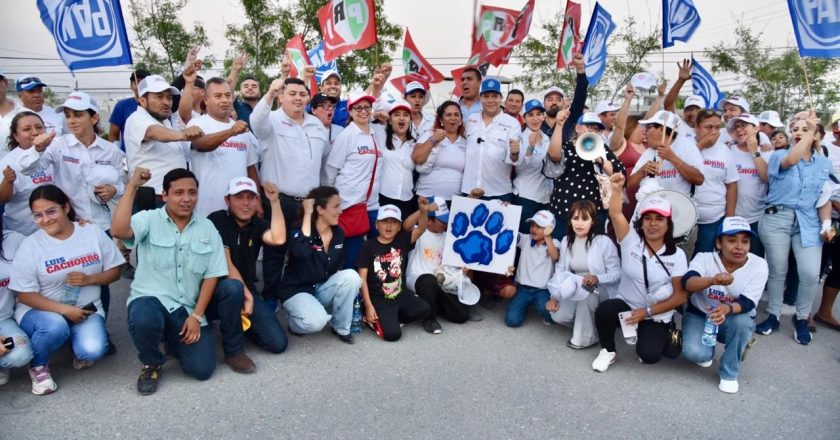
(787, 310)
(728, 386)
(81, 365)
(603, 361)
(42, 381)
(706, 364)
(4, 376)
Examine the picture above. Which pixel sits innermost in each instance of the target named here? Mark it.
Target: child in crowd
(538, 254)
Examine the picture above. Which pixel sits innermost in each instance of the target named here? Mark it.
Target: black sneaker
(148, 381)
(432, 326)
(112, 349)
(347, 339)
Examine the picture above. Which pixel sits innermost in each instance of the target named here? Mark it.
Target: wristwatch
(757, 154)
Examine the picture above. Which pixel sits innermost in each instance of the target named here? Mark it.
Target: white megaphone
(590, 146)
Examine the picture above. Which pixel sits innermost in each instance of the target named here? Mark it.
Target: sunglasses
(29, 80)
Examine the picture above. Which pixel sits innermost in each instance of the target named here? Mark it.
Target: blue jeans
(308, 312)
(734, 333)
(22, 353)
(706, 237)
(779, 234)
(529, 208)
(352, 245)
(525, 297)
(265, 331)
(149, 322)
(48, 331)
(226, 306)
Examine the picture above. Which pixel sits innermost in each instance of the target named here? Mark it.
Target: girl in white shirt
(397, 182)
(531, 187)
(20, 353)
(440, 155)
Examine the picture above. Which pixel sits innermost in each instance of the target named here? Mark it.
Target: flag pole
(807, 82)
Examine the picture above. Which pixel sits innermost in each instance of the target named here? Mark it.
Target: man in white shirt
(607, 111)
(228, 151)
(493, 143)
(151, 142)
(769, 121)
(31, 93)
(732, 107)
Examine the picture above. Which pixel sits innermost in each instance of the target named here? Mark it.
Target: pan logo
(351, 19)
(85, 28)
(819, 20)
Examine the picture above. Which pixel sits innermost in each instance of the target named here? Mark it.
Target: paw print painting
(481, 235)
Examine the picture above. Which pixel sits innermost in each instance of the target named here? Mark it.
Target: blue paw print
(476, 246)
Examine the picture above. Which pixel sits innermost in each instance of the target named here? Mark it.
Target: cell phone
(90, 308)
(9, 343)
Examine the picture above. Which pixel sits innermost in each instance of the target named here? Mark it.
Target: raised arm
(555, 145)
(210, 142)
(804, 144)
(674, 93)
(275, 236)
(579, 99)
(617, 140)
(620, 223)
(236, 68)
(121, 222)
(657, 104)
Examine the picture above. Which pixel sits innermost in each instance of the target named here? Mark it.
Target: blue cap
(590, 118)
(533, 104)
(28, 82)
(491, 85)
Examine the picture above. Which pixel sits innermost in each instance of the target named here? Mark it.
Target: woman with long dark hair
(397, 181)
(440, 156)
(57, 274)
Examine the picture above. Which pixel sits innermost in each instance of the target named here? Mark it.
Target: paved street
(477, 380)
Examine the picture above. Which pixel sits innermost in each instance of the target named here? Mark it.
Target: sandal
(826, 323)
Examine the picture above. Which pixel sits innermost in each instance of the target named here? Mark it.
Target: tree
(269, 25)
(162, 40)
(772, 80)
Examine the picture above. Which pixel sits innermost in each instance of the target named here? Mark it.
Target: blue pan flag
(679, 21)
(815, 23)
(595, 46)
(704, 85)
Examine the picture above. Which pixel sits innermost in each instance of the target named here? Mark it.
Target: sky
(440, 28)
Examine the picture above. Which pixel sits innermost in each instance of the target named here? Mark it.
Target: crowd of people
(346, 202)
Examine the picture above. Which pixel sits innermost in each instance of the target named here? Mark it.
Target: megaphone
(590, 146)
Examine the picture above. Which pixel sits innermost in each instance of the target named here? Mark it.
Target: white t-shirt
(52, 121)
(718, 171)
(42, 264)
(215, 169)
(426, 257)
(443, 170)
(535, 266)
(668, 176)
(488, 145)
(749, 281)
(159, 157)
(530, 182)
(632, 286)
(17, 214)
(397, 180)
(11, 243)
(752, 192)
(353, 156)
(685, 131)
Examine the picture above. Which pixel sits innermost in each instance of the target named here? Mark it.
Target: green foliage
(772, 80)
(161, 41)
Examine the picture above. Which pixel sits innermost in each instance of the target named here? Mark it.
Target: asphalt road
(476, 380)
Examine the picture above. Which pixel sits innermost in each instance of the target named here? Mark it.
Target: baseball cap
(490, 85)
(399, 104)
(78, 101)
(415, 86)
(321, 98)
(28, 82)
(655, 204)
(357, 97)
(771, 117)
(835, 117)
(736, 100)
(533, 104)
(553, 89)
(155, 84)
(734, 225)
(746, 117)
(329, 73)
(589, 118)
(694, 101)
(442, 213)
(606, 106)
(542, 218)
(663, 118)
(389, 211)
(239, 184)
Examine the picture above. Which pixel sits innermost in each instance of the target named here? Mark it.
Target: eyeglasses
(362, 109)
(49, 214)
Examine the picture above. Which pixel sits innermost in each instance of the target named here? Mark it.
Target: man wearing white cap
(733, 106)
(538, 253)
(769, 121)
(422, 123)
(228, 150)
(151, 142)
(607, 111)
(331, 86)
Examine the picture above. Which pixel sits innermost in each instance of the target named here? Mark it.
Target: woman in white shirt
(587, 272)
(19, 352)
(440, 156)
(650, 289)
(57, 274)
(27, 129)
(396, 186)
(531, 187)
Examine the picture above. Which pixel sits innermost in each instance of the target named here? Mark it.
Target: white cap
(78, 101)
(359, 96)
(663, 118)
(389, 211)
(834, 118)
(442, 213)
(415, 86)
(399, 104)
(737, 100)
(746, 117)
(155, 84)
(694, 100)
(644, 81)
(239, 184)
(606, 106)
(735, 225)
(655, 204)
(553, 89)
(542, 218)
(329, 73)
(589, 118)
(770, 117)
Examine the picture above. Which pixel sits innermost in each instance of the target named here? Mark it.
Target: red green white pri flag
(347, 25)
(296, 54)
(416, 65)
(570, 42)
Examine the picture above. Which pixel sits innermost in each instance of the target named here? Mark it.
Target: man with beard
(125, 108)
(249, 89)
(553, 103)
(470, 86)
(151, 142)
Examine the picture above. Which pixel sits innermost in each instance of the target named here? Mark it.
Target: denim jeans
(308, 312)
(149, 322)
(226, 306)
(529, 208)
(525, 297)
(780, 233)
(48, 331)
(22, 353)
(265, 331)
(352, 245)
(706, 237)
(734, 333)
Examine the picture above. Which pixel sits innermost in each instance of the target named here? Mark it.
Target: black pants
(441, 304)
(406, 307)
(274, 257)
(651, 336)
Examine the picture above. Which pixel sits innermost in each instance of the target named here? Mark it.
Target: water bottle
(71, 295)
(356, 326)
(710, 330)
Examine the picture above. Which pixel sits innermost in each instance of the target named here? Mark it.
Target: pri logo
(351, 19)
(297, 59)
(495, 26)
(85, 28)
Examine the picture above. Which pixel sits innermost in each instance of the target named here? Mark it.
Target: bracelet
(650, 312)
(196, 317)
